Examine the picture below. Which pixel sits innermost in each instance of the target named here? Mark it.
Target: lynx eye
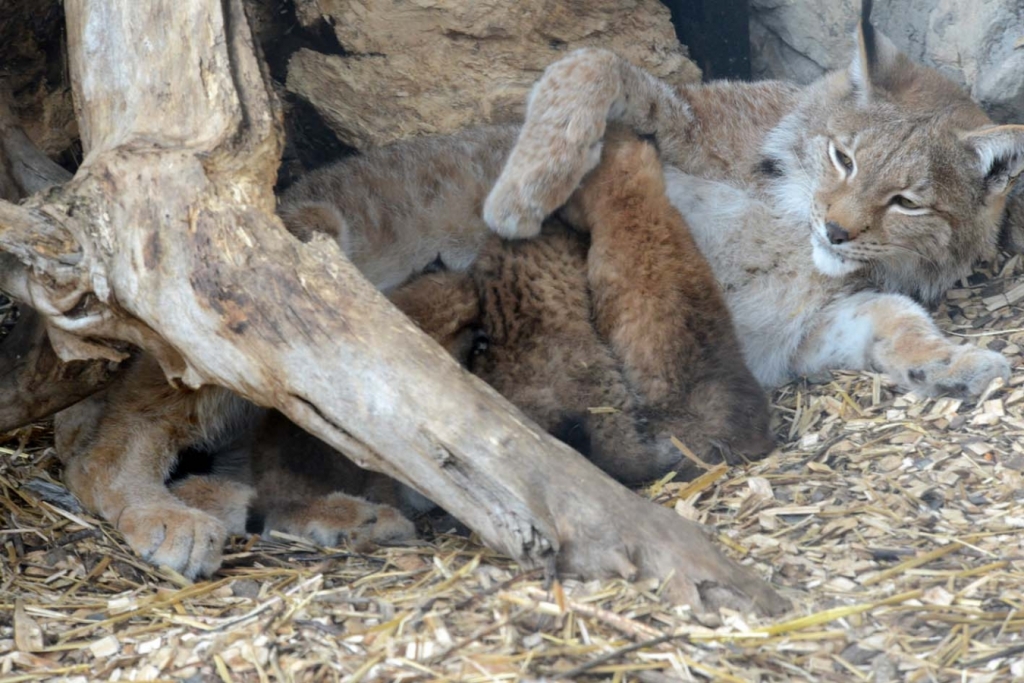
(842, 160)
(905, 202)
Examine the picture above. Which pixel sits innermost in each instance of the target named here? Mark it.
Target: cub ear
(1000, 153)
(876, 63)
(304, 219)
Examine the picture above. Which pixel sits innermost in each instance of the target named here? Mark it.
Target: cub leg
(117, 465)
(657, 302)
(893, 334)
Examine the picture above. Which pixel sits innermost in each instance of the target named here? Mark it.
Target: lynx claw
(187, 540)
(965, 373)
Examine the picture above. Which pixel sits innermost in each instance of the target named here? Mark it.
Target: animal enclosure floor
(894, 523)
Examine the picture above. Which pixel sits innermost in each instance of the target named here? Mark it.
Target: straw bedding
(893, 522)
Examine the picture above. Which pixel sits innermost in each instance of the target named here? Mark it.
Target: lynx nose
(836, 233)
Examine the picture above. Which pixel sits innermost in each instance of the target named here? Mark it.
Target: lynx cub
(635, 323)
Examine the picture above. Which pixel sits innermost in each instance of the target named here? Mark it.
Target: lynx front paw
(965, 372)
(188, 541)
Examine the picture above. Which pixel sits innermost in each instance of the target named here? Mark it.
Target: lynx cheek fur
(824, 211)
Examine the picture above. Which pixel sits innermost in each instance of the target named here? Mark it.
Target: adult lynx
(823, 210)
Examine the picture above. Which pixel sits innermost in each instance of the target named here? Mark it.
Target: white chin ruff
(829, 264)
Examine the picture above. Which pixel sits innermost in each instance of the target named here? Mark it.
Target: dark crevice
(717, 33)
(286, 35)
(309, 141)
(34, 63)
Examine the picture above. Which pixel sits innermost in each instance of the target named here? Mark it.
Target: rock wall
(977, 43)
(435, 66)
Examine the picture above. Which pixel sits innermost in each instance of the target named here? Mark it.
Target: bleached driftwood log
(166, 238)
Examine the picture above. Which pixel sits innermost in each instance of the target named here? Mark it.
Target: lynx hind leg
(561, 137)
(445, 305)
(657, 303)
(333, 519)
(545, 357)
(306, 488)
(118, 468)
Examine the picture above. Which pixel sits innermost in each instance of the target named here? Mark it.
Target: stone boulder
(977, 43)
(435, 66)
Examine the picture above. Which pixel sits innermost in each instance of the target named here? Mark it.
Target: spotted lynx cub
(630, 320)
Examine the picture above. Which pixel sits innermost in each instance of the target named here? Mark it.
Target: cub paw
(188, 541)
(966, 372)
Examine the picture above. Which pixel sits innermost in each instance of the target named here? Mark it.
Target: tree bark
(166, 238)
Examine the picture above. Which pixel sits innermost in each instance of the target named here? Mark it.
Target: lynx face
(898, 175)
(885, 204)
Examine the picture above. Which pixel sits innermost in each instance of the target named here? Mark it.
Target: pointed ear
(1000, 153)
(875, 63)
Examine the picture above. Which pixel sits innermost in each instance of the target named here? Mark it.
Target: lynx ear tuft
(876, 61)
(1000, 152)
